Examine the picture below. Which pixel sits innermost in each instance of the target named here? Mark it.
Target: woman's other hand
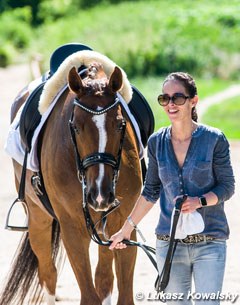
(190, 204)
(117, 239)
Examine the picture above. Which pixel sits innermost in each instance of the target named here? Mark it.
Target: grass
(151, 87)
(225, 116)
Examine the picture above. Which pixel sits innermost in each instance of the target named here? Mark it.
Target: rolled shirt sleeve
(222, 169)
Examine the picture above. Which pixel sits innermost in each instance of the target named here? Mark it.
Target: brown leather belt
(190, 239)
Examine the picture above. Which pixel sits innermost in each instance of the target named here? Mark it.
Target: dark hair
(188, 83)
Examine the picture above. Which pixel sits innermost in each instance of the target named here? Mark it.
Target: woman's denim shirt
(206, 168)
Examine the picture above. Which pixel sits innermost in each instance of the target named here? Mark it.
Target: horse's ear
(116, 79)
(75, 82)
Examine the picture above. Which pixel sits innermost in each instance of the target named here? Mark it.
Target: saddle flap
(143, 114)
(30, 116)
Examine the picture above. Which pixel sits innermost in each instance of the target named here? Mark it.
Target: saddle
(31, 117)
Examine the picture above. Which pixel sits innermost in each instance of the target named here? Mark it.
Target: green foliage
(155, 37)
(51, 10)
(88, 3)
(7, 54)
(18, 15)
(146, 38)
(3, 5)
(11, 5)
(16, 34)
(16, 25)
(85, 4)
(143, 37)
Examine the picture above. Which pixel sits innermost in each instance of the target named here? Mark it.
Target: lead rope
(91, 227)
(163, 279)
(96, 238)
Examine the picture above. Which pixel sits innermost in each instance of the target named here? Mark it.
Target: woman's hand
(117, 239)
(140, 209)
(190, 205)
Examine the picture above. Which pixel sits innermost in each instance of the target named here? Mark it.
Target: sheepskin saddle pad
(44, 94)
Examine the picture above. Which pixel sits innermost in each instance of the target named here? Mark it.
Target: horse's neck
(61, 114)
(130, 140)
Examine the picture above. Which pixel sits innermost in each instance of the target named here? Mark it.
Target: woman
(187, 158)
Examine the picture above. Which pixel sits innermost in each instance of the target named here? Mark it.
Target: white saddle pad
(16, 149)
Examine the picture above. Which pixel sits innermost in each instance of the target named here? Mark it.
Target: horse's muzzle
(101, 203)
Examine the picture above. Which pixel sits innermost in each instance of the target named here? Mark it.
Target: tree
(12, 4)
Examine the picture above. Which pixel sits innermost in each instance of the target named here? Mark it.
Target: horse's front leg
(124, 264)
(104, 275)
(76, 241)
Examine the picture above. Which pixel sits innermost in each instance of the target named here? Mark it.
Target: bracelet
(131, 222)
(129, 219)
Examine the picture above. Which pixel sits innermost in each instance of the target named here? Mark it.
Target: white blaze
(99, 120)
(107, 301)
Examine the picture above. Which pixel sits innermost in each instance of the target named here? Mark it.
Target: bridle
(83, 164)
(96, 158)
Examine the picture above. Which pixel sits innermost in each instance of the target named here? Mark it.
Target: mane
(86, 57)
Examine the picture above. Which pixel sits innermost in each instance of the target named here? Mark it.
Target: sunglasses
(176, 98)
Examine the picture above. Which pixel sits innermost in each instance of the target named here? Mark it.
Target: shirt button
(180, 182)
(181, 190)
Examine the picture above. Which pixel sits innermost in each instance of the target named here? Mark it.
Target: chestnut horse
(97, 119)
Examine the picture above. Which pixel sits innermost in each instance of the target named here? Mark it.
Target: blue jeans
(203, 263)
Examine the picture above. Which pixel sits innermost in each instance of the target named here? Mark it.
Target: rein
(91, 227)
(83, 163)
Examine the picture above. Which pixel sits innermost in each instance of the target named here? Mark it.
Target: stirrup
(23, 228)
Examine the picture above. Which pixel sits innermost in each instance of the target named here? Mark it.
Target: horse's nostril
(100, 201)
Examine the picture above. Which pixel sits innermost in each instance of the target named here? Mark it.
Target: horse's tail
(22, 279)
